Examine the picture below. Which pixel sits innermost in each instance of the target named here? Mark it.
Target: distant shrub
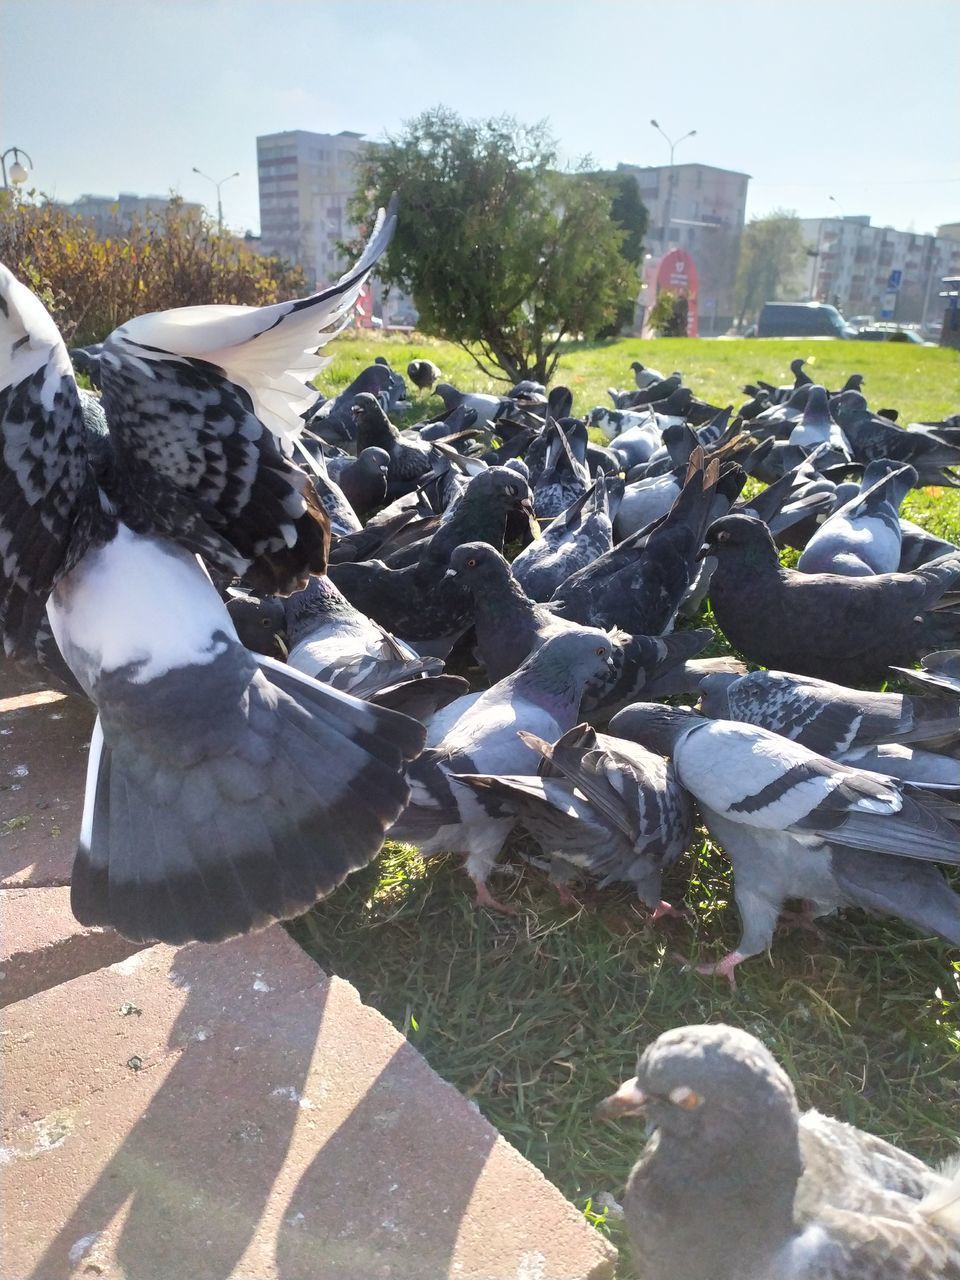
(171, 259)
(669, 315)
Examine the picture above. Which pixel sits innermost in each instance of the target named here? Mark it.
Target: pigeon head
(477, 566)
(261, 623)
(741, 537)
(564, 664)
(501, 489)
(373, 461)
(713, 694)
(374, 428)
(653, 725)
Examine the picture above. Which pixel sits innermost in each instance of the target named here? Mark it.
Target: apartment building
(878, 271)
(306, 181)
(700, 208)
(112, 215)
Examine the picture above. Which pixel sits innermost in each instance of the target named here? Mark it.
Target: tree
(173, 259)
(629, 213)
(504, 255)
(670, 314)
(771, 252)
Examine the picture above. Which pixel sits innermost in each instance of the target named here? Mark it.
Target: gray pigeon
(542, 697)
(331, 641)
(607, 807)
(864, 536)
(576, 538)
(829, 718)
(850, 630)
(509, 626)
(736, 1184)
(797, 825)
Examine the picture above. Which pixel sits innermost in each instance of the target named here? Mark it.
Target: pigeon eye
(600, 651)
(265, 622)
(723, 536)
(512, 490)
(472, 562)
(685, 1098)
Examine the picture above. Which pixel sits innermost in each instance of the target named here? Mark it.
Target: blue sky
(855, 99)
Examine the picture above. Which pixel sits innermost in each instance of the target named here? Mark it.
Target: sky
(851, 99)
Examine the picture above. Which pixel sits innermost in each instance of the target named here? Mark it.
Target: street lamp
(218, 185)
(672, 143)
(18, 173)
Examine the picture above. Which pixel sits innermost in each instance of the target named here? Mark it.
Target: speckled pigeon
(795, 824)
(222, 793)
(608, 808)
(736, 1184)
(829, 718)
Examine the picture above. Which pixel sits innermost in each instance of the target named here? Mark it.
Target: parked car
(802, 320)
(891, 333)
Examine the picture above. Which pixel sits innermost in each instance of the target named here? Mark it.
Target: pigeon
(874, 437)
(488, 408)
(565, 476)
(414, 601)
(86, 360)
(332, 419)
(542, 697)
(608, 807)
(918, 547)
(829, 718)
(736, 1184)
(639, 585)
(509, 626)
(410, 460)
(795, 824)
(574, 539)
(327, 638)
(816, 425)
(363, 479)
(223, 792)
(849, 630)
(644, 376)
(863, 538)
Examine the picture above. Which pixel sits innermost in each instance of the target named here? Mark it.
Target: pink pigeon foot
(486, 899)
(724, 968)
(664, 908)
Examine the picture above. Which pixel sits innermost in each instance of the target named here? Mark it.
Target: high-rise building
(867, 270)
(306, 181)
(699, 208)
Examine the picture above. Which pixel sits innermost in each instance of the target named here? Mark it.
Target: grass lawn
(537, 1018)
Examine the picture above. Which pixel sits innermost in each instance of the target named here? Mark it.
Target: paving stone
(42, 944)
(229, 1111)
(44, 738)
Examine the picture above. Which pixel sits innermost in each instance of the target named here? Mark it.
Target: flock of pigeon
(261, 590)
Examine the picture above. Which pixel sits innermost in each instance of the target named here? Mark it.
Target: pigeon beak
(704, 551)
(281, 645)
(451, 573)
(627, 1101)
(527, 506)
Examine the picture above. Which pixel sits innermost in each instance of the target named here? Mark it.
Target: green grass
(922, 382)
(537, 1018)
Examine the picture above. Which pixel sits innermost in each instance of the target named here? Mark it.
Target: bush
(172, 259)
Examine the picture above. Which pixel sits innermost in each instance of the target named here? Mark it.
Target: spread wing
(212, 398)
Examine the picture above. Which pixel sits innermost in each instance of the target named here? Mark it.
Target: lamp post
(218, 185)
(18, 173)
(672, 143)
